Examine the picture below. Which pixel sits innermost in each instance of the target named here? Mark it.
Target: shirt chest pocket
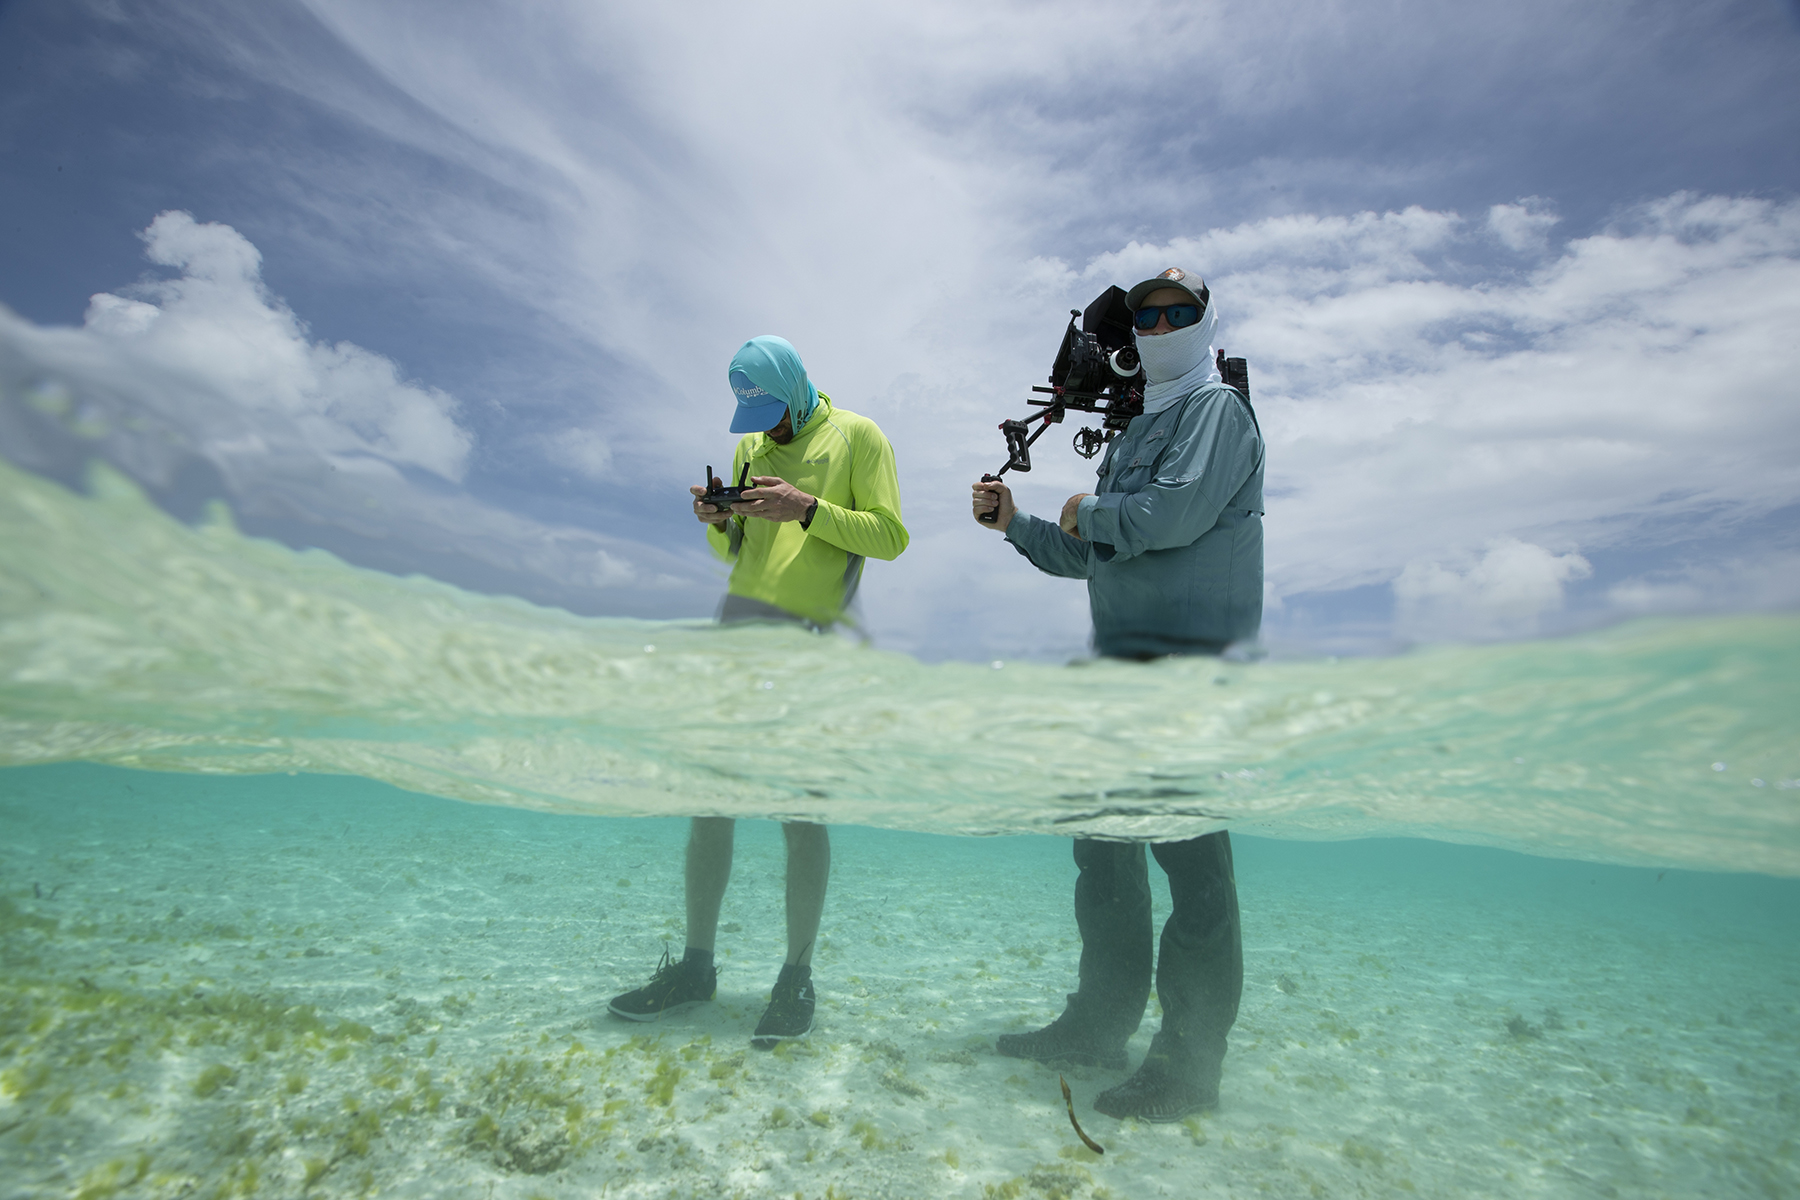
(1133, 465)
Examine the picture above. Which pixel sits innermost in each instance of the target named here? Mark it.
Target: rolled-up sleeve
(1214, 451)
(1049, 548)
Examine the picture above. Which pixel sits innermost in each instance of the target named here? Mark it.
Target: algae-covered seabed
(315, 985)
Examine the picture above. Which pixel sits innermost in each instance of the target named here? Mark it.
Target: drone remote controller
(722, 498)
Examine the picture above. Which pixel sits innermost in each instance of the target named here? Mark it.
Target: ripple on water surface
(129, 638)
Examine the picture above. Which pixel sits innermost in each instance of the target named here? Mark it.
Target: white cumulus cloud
(1523, 227)
(1504, 593)
(219, 325)
(208, 386)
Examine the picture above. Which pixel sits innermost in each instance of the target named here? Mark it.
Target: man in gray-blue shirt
(1170, 543)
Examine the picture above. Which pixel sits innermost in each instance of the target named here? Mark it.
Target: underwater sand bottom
(320, 986)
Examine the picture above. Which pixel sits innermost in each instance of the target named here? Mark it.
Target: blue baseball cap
(758, 410)
(769, 379)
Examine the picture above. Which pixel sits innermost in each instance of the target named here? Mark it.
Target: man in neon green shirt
(826, 497)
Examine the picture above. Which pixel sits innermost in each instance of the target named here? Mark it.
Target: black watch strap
(806, 521)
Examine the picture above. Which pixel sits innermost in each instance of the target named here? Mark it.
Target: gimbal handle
(1018, 451)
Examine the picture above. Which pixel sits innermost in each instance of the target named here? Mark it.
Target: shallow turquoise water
(405, 995)
(240, 960)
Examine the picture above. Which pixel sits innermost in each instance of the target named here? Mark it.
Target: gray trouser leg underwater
(1200, 965)
(1112, 911)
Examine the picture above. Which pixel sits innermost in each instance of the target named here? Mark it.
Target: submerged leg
(791, 1000)
(1112, 912)
(808, 871)
(708, 871)
(693, 979)
(1199, 979)
(1200, 971)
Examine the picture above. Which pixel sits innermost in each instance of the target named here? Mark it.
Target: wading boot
(1064, 1040)
(1176, 1080)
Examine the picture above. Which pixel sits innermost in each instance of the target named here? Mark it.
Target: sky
(451, 288)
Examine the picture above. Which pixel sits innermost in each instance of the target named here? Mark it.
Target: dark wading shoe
(675, 986)
(790, 1011)
(1062, 1042)
(1153, 1095)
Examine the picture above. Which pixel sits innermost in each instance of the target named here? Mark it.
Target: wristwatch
(806, 519)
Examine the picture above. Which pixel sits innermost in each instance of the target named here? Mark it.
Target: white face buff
(1169, 356)
(1177, 362)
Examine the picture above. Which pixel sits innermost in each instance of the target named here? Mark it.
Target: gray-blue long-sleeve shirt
(1171, 542)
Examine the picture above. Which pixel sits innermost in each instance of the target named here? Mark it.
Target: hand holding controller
(713, 503)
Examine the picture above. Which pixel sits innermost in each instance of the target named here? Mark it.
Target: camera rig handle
(1018, 452)
(1020, 435)
(1018, 445)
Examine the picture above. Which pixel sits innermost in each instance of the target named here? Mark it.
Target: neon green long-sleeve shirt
(847, 463)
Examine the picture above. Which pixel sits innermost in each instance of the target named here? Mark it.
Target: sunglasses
(1180, 316)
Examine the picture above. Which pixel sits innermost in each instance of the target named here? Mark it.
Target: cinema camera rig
(1096, 371)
